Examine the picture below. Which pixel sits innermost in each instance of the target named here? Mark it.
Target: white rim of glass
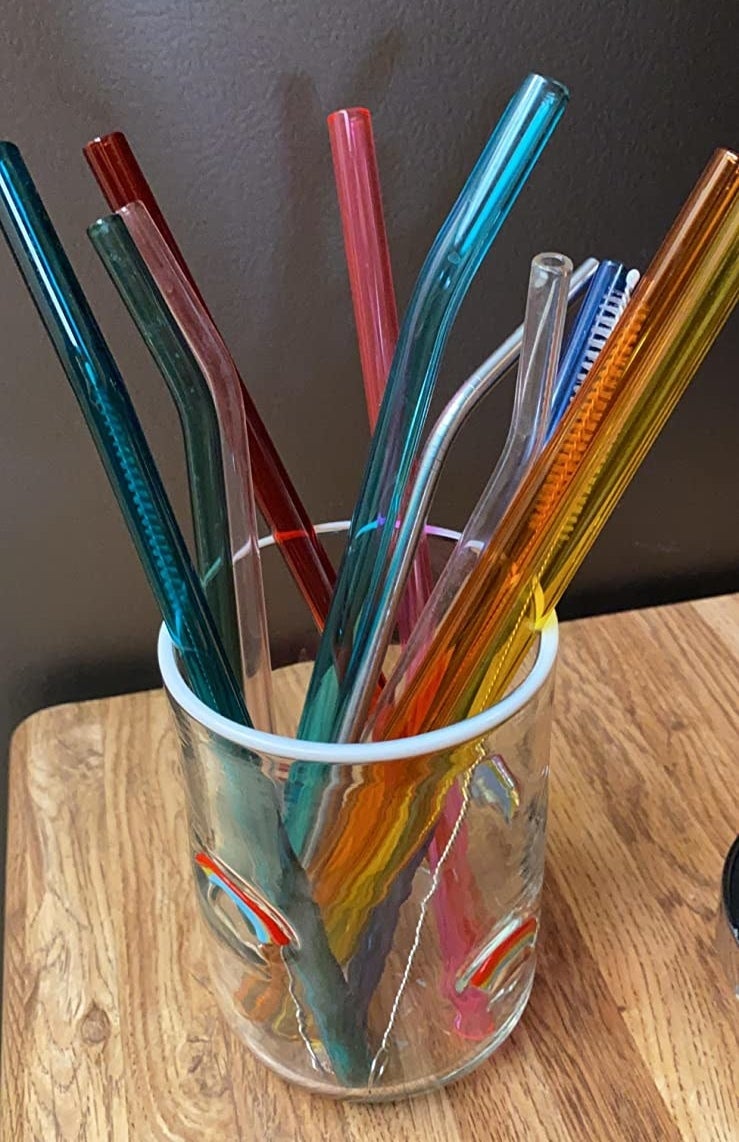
(345, 753)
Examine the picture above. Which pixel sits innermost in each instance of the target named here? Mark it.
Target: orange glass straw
(673, 318)
(373, 295)
(122, 181)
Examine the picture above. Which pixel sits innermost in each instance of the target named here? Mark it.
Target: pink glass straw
(221, 375)
(373, 295)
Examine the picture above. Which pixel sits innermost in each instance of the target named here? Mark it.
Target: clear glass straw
(440, 439)
(197, 416)
(122, 180)
(546, 308)
(373, 295)
(466, 236)
(217, 367)
(539, 346)
(675, 314)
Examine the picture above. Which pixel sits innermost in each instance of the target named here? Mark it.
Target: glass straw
(217, 367)
(305, 813)
(197, 416)
(115, 429)
(546, 308)
(121, 180)
(477, 216)
(674, 316)
(373, 295)
(440, 439)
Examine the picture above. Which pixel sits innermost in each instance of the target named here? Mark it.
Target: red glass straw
(122, 181)
(373, 296)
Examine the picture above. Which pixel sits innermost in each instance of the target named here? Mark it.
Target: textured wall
(225, 104)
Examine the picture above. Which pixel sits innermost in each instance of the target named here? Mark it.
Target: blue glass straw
(133, 475)
(464, 239)
(114, 426)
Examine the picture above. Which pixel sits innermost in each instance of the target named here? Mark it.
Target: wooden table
(110, 1030)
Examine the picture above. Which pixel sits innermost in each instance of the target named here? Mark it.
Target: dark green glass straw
(192, 399)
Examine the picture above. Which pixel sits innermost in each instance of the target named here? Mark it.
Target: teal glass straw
(112, 421)
(134, 478)
(466, 236)
(197, 416)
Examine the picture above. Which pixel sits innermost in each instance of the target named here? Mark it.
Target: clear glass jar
(383, 986)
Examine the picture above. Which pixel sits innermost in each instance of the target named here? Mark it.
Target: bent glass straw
(121, 180)
(373, 295)
(197, 416)
(220, 373)
(674, 315)
(477, 216)
(440, 440)
(546, 307)
(309, 787)
(118, 436)
(548, 285)
(129, 465)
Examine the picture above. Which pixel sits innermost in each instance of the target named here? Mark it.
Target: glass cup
(355, 985)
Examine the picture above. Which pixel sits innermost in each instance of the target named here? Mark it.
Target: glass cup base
(271, 1050)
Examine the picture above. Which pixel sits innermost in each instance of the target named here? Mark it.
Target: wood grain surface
(110, 1029)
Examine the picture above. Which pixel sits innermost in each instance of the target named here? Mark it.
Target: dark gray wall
(225, 104)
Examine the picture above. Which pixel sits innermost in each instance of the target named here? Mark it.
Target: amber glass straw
(121, 180)
(674, 316)
(373, 296)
